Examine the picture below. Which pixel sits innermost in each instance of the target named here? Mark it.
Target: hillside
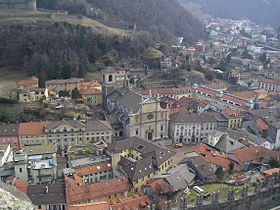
(60, 48)
(164, 19)
(265, 12)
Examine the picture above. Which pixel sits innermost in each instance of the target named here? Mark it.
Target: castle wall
(18, 4)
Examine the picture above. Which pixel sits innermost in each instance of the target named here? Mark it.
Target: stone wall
(265, 196)
(18, 4)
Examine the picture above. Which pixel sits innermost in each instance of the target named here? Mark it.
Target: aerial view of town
(139, 105)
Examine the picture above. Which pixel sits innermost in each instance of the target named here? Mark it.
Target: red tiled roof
(30, 81)
(184, 100)
(212, 156)
(80, 193)
(245, 94)
(208, 91)
(159, 186)
(91, 84)
(230, 112)
(135, 201)
(262, 124)
(257, 154)
(90, 91)
(92, 169)
(216, 85)
(21, 185)
(234, 99)
(271, 171)
(269, 81)
(102, 205)
(178, 109)
(32, 128)
(246, 142)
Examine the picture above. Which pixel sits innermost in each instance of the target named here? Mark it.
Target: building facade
(188, 127)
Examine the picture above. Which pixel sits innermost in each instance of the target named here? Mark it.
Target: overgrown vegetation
(164, 19)
(52, 50)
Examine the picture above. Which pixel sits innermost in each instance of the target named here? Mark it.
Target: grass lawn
(97, 76)
(8, 78)
(212, 188)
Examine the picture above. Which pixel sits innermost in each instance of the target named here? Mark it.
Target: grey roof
(152, 156)
(97, 125)
(63, 81)
(179, 177)
(227, 144)
(39, 149)
(32, 89)
(127, 98)
(201, 166)
(76, 163)
(47, 194)
(54, 124)
(206, 117)
(9, 129)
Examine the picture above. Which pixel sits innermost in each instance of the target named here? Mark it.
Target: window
(136, 132)
(20, 170)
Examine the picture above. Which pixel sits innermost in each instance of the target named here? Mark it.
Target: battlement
(265, 196)
(18, 5)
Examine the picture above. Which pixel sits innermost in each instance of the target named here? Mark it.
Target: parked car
(178, 145)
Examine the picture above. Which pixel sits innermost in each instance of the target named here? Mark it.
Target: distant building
(269, 85)
(32, 81)
(30, 93)
(188, 127)
(65, 84)
(92, 96)
(9, 135)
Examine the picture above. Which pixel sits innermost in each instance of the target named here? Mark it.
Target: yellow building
(65, 84)
(30, 82)
(234, 118)
(64, 133)
(30, 93)
(92, 96)
(139, 159)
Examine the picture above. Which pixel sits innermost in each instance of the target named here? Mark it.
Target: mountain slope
(165, 19)
(265, 12)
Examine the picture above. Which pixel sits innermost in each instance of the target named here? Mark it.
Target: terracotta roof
(92, 169)
(20, 185)
(271, 171)
(245, 94)
(102, 205)
(135, 201)
(216, 85)
(262, 124)
(90, 91)
(80, 193)
(159, 185)
(29, 81)
(234, 99)
(269, 81)
(212, 156)
(91, 84)
(230, 112)
(245, 142)
(257, 154)
(207, 90)
(32, 128)
(184, 100)
(178, 109)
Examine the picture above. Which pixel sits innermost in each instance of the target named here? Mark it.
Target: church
(137, 115)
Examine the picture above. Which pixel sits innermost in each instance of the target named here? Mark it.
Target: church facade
(138, 116)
